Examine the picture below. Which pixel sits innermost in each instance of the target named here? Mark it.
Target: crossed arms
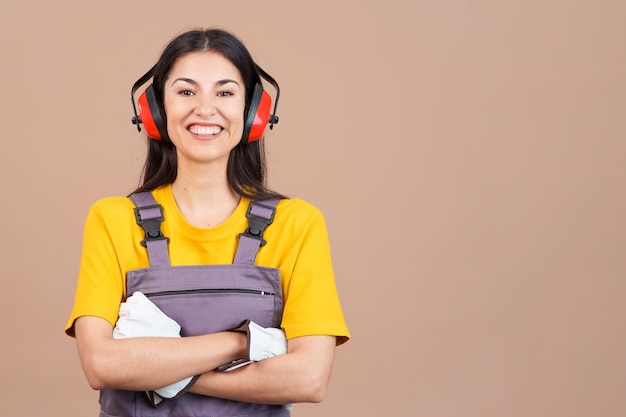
(142, 363)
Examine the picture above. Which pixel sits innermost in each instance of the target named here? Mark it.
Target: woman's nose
(205, 106)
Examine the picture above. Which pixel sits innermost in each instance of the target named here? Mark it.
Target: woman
(189, 251)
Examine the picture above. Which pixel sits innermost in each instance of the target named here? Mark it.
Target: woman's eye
(224, 93)
(185, 92)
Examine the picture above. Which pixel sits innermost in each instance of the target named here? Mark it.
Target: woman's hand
(263, 343)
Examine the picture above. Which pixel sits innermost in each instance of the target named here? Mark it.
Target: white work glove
(263, 343)
(140, 317)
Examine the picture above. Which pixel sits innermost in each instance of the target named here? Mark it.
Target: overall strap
(260, 215)
(149, 215)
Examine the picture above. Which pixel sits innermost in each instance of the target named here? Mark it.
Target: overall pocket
(212, 298)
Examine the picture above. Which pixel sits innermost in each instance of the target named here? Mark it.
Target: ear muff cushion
(258, 115)
(150, 115)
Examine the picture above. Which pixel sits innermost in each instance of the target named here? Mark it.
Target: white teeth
(205, 130)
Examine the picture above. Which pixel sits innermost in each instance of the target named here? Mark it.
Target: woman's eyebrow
(226, 81)
(193, 82)
(185, 80)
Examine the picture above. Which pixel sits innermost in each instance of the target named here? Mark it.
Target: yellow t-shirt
(297, 244)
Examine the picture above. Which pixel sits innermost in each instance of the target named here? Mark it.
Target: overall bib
(202, 299)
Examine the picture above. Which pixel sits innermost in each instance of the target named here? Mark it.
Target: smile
(205, 130)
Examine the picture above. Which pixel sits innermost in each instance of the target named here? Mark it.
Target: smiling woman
(200, 294)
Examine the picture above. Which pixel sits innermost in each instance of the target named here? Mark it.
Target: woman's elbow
(316, 387)
(95, 374)
(316, 363)
(98, 368)
(317, 395)
(93, 340)
(95, 384)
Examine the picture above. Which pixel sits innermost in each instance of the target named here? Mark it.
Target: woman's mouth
(205, 130)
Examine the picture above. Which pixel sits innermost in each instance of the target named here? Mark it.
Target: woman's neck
(204, 198)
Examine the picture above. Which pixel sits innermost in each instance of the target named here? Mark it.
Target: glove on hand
(263, 343)
(140, 317)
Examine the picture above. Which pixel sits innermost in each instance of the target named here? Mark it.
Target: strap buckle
(151, 225)
(257, 224)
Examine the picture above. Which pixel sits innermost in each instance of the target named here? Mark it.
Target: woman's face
(204, 101)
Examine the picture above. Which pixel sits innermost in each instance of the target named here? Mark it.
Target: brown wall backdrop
(469, 157)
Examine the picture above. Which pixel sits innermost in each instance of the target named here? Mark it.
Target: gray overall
(202, 299)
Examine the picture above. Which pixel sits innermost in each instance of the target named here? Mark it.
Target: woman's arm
(148, 363)
(301, 375)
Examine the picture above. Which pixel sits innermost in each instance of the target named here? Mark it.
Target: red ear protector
(257, 118)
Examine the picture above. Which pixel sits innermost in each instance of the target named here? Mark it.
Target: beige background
(468, 155)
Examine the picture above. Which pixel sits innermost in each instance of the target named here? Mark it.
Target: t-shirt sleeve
(312, 305)
(100, 285)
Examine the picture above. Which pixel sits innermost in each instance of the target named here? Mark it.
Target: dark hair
(246, 170)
